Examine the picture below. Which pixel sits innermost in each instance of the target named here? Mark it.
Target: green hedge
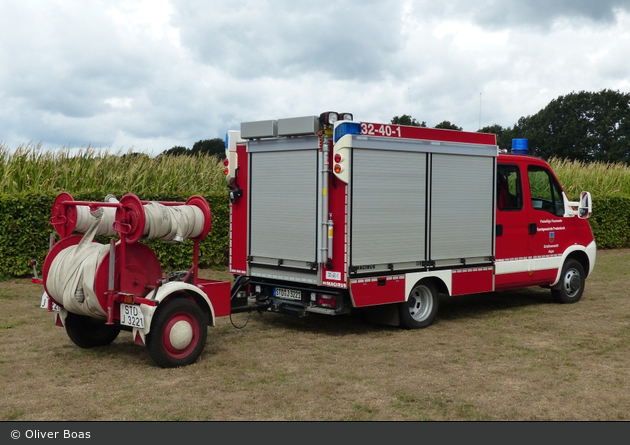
(25, 231)
(25, 234)
(610, 222)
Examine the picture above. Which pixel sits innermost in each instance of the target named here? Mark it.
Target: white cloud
(119, 102)
(154, 74)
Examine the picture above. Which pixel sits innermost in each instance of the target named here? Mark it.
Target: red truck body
(331, 217)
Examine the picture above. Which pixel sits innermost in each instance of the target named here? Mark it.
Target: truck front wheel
(178, 333)
(87, 332)
(421, 307)
(571, 285)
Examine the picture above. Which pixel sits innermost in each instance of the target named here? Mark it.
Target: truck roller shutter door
(284, 207)
(388, 207)
(461, 208)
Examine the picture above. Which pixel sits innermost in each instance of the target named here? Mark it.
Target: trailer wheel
(571, 285)
(178, 333)
(87, 332)
(420, 309)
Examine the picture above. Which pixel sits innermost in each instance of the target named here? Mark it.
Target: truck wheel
(571, 285)
(178, 333)
(420, 309)
(87, 332)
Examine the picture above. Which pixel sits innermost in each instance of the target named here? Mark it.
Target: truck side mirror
(585, 208)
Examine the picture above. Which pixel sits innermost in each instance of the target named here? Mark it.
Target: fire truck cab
(329, 215)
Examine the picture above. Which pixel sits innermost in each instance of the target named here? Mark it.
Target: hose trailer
(99, 289)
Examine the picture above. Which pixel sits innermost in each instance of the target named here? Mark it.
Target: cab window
(545, 191)
(509, 190)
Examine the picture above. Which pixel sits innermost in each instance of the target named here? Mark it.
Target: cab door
(547, 228)
(512, 249)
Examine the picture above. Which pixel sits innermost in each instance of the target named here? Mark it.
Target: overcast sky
(148, 75)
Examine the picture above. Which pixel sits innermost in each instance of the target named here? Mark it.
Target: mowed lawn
(505, 356)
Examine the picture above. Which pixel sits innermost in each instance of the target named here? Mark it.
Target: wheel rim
(420, 303)
(181, 335)
(572, 283)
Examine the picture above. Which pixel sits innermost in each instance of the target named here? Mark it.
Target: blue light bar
(346, 127)
(519, 147)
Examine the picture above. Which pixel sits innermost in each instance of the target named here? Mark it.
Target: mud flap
(139, 337)
(386, 314)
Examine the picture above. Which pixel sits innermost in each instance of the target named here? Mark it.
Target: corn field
(601, 179)
(30, 169)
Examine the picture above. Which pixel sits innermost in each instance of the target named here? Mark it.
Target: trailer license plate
(291, 294)
(44, 303)
(131, 315)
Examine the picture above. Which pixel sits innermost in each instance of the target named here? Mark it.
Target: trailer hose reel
(76, 272)
(134, 219)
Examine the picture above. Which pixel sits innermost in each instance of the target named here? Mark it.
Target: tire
(421, 307)
(178, 333)
(87, 332)
(571, 285)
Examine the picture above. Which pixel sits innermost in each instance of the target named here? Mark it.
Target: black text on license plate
(291, 294)
(131, 315)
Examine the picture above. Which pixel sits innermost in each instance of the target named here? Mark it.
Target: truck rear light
(338, 168)
(226, 170)
(337, 158)
(329, 301)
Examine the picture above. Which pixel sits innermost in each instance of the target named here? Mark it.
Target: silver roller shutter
(283, 205)
(388, 206)
(461, 206)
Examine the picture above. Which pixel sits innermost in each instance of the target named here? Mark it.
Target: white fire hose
(85, 219)
(72, 273)
(168, 223)
(172, 223)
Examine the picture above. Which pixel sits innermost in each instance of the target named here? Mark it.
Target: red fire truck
(329, 215)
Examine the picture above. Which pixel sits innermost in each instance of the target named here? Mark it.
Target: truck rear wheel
(571, 285)
(87, 332)
(421, 307)
(178, 333)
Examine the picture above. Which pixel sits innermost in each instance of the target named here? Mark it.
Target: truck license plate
(131, 315)
(291, 294)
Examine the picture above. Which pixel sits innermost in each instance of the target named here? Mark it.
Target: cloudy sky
(147, 75)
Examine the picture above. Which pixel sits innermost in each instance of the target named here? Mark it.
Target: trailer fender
(175, 289)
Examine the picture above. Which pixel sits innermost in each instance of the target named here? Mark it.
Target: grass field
(505, 356)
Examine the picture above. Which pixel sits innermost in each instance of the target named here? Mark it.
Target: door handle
(533, 228)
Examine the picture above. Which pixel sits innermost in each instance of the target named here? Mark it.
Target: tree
(178, 150)
(134, 156)
(581, 126)
(407, 120)
(504, 135)
(213, 147)
(210, 147)
(448, 126)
